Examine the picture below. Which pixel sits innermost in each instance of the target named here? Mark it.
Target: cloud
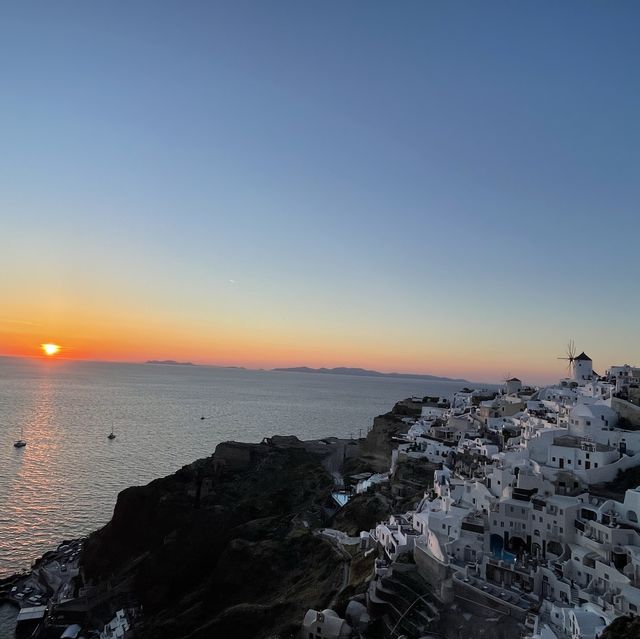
(6, 320)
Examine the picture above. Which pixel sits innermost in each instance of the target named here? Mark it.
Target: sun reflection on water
(35, 486)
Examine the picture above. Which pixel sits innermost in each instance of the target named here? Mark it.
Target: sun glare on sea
(50, 349)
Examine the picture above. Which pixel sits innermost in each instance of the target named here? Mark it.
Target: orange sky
(89, 334)
(95, 318)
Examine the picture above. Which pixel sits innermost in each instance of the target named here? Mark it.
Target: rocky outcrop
(222, 547)
(622, 628)
(363, 512)
(377, 446)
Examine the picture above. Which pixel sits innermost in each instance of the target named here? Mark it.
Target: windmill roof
(514, 379)
(584, 357)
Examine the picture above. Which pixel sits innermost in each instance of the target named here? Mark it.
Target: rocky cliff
(622, 628)
(378, 444)
(223, 546)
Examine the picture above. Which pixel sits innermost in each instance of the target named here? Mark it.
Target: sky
(435, 187)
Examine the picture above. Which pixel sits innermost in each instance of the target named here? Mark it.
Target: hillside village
(525, 522)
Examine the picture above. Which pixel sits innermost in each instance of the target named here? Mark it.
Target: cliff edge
(223, 547)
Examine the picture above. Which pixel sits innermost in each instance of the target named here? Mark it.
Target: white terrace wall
(609, 472)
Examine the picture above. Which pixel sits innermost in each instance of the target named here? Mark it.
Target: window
(502, 524)
(561, 530)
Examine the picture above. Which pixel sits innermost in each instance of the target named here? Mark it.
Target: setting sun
(50, 349)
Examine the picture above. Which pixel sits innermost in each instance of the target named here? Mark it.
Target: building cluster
(511, 523)
(519, 520)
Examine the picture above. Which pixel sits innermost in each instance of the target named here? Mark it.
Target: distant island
(171, 362)
(363, 372)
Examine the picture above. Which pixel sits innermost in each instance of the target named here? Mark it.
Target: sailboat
(111, 435)
(20, 443)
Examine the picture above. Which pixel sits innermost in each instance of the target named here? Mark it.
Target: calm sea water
(65, 482)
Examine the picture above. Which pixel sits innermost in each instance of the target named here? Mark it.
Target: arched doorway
(516, 544)
(496, 545)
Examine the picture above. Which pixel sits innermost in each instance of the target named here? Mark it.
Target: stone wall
(435, 573)
(626, 410)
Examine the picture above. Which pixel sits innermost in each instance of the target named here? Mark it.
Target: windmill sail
(570, 356)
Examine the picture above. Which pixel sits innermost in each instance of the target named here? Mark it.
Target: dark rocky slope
(377, 446)
(221, 548)
(622, 628)
(225, 548)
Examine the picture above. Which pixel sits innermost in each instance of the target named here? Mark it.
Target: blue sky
(444, 187)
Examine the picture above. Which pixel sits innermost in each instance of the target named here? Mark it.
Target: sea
(65, 482)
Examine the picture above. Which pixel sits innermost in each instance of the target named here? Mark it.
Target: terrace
(569, 441)
(505, 595)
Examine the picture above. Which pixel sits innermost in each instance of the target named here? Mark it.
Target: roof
(35, 612)
(563, 500)
(584, 357)
(332, 625)
(71, 632)
(588, 622)
(592, 411)
(514, 379)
